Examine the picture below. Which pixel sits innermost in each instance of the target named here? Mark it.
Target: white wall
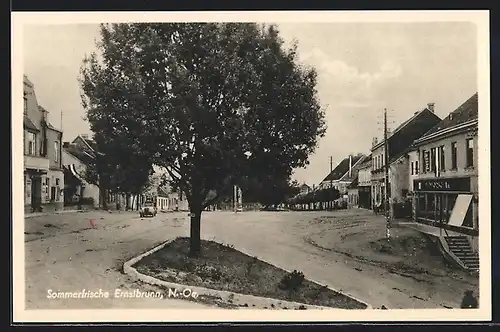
(90, 190)
(365, 177)
(398, 178)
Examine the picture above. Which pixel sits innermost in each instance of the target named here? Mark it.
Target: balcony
(36, 162)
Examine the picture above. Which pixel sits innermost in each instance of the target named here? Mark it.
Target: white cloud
(347, 84)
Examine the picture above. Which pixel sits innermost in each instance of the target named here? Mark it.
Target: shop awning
(460, 210)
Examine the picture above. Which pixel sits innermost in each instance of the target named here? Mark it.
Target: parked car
(148, 209)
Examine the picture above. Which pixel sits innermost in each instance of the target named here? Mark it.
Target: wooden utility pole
(386, 179)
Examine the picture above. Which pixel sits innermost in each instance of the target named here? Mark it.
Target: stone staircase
(460, 247)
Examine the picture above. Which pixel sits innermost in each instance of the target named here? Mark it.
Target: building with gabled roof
(43, 175)
(343, 174)
(443, 177)
(398, 144)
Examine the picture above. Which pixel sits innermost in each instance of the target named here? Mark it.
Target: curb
(237, 297)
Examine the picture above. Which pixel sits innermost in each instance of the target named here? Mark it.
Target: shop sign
(450, 184)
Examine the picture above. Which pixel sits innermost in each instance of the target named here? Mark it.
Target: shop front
(447, 203)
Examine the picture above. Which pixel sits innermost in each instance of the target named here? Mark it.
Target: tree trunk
(104, 198)
(195, 232)
(127, 201)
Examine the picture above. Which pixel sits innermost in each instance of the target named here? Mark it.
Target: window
(52, 193)
(25, 111)
(426, 161)
(423, 161)
(441, 158)
(433, 160)
(454, 155)
(416, 167)
(412, 168)
(470, 153)
(31, 142)
(56, 151)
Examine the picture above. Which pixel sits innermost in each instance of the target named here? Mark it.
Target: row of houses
(54, 171)
(432, 166)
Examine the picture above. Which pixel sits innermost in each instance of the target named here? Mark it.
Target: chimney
(66, 145)
(374, 141)
(430, 107)
(85, 136)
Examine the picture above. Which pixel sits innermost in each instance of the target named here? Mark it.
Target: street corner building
(444, 183)
(43, 171)
(398, 143)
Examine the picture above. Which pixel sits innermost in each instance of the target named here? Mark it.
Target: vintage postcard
(251, 166)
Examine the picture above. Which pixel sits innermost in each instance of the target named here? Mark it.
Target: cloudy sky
(363, 68)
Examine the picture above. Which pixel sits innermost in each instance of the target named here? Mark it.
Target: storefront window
(450, 203)
(421, 202)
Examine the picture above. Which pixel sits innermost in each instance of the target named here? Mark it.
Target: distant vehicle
(148, 209)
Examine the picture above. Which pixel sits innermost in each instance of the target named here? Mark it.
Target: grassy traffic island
(223, 268)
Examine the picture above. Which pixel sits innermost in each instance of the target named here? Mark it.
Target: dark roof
(366, 162)
(466, 112)
(399, 155)
(77, 153)
(90, 142)
(354, 183)
(412, 120)
(85, 143)
(28, 124)
(341, 168)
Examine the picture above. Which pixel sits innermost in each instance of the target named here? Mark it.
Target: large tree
(210, 102)
(117, 166)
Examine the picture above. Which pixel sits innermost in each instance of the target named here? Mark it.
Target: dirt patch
(408, 253)
(222, 267)
(51, 226)
(33, 233)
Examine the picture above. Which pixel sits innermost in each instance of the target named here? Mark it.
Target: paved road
(72, 256)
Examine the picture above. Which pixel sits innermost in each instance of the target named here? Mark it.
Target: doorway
(36, 193)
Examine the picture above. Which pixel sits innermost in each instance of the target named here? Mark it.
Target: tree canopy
(269, 190)
(209, 102)
(317, 196)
